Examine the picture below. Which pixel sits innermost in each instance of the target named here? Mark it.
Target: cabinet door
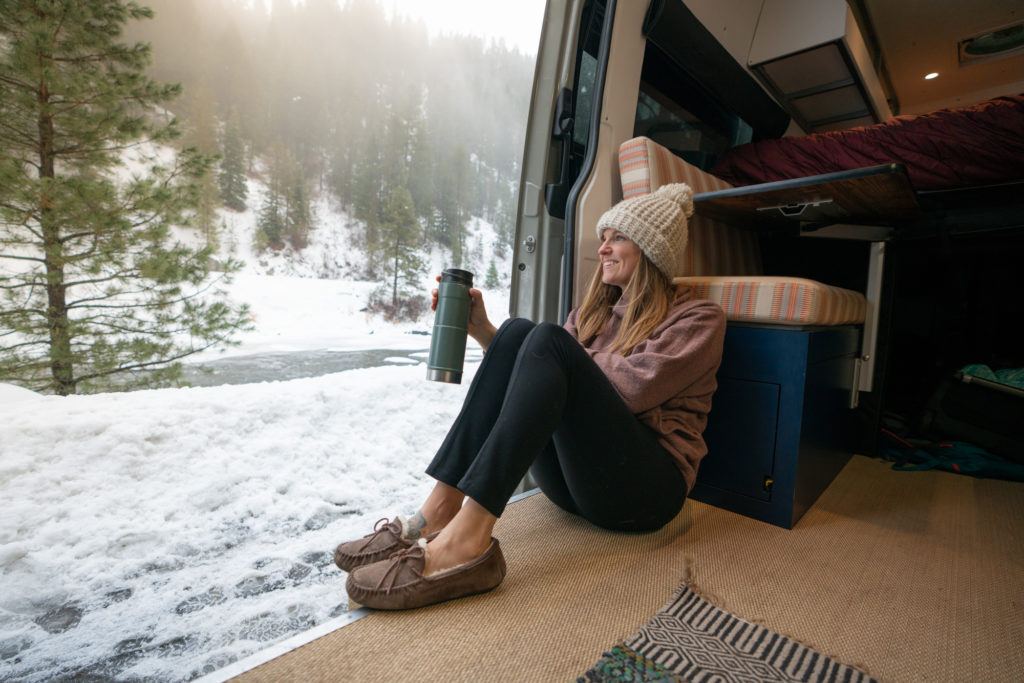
(741, 437)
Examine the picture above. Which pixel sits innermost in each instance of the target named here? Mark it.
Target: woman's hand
(479, 325)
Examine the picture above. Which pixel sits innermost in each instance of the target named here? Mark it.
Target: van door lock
(530, 243)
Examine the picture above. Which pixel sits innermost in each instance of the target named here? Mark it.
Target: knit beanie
(657, 223)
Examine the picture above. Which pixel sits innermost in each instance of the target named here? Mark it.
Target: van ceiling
(920, 36)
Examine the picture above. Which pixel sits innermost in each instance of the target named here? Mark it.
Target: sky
(517, 22)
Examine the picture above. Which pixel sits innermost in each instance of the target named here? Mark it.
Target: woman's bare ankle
(447, 553)
(418, 526)
(440, 507)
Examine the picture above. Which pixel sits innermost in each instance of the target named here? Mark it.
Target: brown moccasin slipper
(385, 541)
(398, 583)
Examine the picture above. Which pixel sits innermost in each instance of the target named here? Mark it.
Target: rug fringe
(689, 582)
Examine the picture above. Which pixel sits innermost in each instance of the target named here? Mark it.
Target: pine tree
(405, 265)
(367, 202)
(202, 135)
(270, 225)
(505, 220)
(285, 215)
(492, 281)
(100, 288)
(233, 189)
(452, 201)
(298, 216)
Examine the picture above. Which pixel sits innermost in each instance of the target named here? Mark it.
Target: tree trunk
(61, 366)
(394, 282)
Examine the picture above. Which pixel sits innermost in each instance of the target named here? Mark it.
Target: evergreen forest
(125, 122)
(411, 134)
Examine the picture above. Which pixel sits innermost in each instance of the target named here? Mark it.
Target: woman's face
(619, 257)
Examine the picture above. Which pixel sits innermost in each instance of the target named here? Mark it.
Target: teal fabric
(1013, 377)
(956, 456)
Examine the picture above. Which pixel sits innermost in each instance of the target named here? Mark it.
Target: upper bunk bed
(950, 171)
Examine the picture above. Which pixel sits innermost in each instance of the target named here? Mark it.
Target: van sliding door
(567, 85)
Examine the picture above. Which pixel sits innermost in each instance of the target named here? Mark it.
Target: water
(269, 367)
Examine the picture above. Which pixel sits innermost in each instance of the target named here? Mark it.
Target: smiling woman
(636, 356)
(619, 256)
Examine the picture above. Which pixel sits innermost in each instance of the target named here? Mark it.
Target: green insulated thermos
(448, 340)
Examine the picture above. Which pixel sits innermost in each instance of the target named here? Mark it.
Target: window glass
(584, 97)
(673, 110)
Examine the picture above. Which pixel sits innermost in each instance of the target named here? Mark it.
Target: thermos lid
(463, 277)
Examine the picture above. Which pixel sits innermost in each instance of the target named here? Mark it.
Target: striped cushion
(779, 300)
(715, 247)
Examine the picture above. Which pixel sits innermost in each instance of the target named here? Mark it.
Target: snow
(315, 299)
(297, 314)
(197, 524)
(16, 395)
(167, 533)
(164, 534)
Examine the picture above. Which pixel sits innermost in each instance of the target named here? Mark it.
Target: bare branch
(40, 342)
(22, 258)
(139, 366)
(4, 78)
(95, 281)
(13, 311)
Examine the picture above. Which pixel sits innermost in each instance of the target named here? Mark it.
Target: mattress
(977, 145)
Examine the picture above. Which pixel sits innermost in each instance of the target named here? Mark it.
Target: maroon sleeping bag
(978, 145)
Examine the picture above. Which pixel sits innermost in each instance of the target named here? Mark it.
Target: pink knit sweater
(668, 380)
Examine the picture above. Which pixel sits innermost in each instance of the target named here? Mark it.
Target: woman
(606, 413)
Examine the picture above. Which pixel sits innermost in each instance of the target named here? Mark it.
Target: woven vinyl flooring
(913, 576)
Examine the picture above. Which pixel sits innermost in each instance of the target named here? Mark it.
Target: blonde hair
(652, 295)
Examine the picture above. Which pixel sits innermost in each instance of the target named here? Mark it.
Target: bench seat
(780, 427)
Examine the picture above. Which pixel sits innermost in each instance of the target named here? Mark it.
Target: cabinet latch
(767, 483)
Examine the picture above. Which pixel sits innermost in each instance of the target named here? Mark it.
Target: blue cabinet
(780, 427)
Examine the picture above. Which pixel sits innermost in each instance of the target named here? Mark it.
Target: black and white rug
(690, 639)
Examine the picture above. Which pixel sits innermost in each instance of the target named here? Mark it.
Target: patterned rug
(690, 639)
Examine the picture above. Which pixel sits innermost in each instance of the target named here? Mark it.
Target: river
(269, 367)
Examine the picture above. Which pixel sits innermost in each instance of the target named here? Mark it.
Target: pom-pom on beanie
(657, 223)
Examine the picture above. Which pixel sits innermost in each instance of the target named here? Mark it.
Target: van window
(591, 25)
(675, 111)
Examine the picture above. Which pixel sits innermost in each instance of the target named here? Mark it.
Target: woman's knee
(512, 332)
(548, 335)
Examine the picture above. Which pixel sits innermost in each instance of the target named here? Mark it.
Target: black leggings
(539, 402)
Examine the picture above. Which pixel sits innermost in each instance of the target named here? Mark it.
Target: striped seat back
(714, 247)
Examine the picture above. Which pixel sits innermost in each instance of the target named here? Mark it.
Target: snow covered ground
(160, 535)
(163, 534)
(299, 314)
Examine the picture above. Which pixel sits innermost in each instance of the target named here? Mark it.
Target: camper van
(858, 177)
(861, 268)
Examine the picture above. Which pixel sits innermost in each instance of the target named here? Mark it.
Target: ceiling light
(934, 74)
